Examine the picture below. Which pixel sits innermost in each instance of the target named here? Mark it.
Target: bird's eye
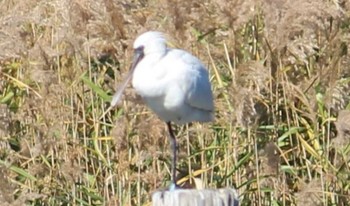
(139, 49)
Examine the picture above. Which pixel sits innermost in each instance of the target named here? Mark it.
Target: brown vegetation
(280, 74)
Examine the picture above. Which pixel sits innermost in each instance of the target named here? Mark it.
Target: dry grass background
(281, 78)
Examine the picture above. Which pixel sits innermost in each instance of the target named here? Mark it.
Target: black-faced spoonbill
(172, 82)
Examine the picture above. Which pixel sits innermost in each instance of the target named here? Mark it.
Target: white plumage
(173, 83)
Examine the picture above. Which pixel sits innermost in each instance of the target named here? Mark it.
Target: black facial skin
(138, 55)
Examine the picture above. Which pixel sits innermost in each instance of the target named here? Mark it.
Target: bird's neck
(147, 70)
(155, 56)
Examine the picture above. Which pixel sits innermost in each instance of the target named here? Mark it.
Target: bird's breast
(164, 113)
(148, 77)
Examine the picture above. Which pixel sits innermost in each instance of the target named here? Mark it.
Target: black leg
(173, 163)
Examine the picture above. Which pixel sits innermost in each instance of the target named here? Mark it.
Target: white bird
(173, 83)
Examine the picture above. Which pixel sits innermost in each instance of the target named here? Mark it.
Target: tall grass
(280, 74)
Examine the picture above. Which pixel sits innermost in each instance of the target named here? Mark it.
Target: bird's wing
(199, 93)
(188, 74)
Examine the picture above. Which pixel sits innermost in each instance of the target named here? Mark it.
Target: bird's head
(150, 42)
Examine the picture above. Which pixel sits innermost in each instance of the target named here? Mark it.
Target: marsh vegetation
(280, 72)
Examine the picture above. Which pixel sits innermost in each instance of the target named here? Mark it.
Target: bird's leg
(173, 150)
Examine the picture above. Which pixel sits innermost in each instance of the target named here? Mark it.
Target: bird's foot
(173, 187)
